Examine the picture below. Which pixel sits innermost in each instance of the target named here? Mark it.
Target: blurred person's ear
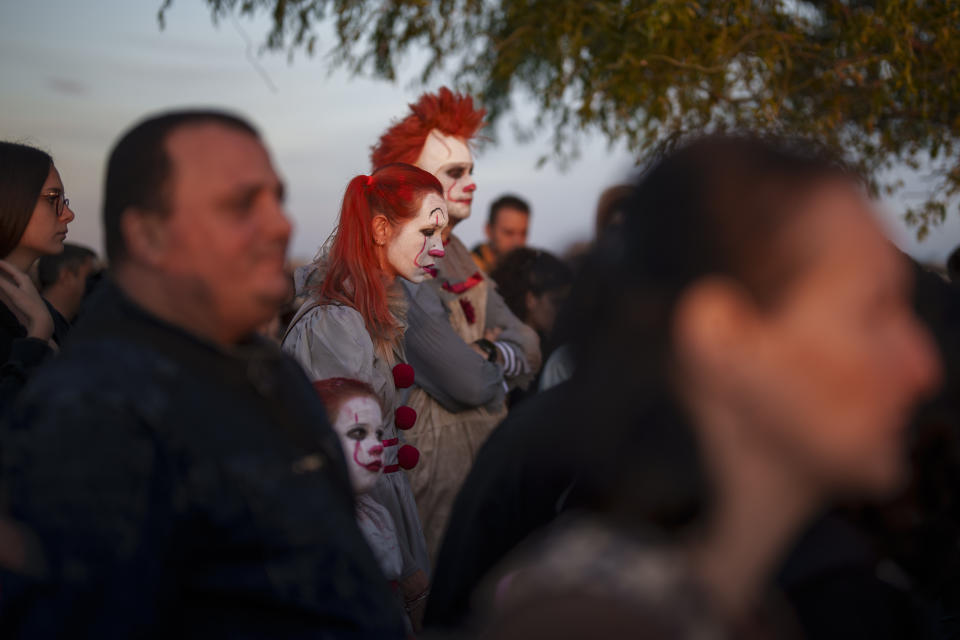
(715, 322)
(146, 236)
(488, 231)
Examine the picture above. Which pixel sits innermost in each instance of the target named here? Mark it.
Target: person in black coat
(171, 473)
(34, 215)
(746, 354)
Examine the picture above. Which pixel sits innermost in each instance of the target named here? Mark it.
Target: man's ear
(381, 230)
(145, 235)
(488, 230)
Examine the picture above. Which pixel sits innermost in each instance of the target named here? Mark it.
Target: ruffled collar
(307, 281)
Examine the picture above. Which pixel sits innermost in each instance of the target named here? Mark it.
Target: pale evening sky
(75, 74)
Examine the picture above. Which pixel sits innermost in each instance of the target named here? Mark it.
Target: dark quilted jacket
(178, 490)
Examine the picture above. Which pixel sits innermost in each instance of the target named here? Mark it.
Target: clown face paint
(416, 245)
(449, 159)
(358, 424)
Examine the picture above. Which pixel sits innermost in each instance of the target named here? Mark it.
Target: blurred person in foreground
(507, 227)
(65, 279)
(171, 473)
(746, 353)
(891, 569)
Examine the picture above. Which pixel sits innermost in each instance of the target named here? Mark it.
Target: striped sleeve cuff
(513, 365)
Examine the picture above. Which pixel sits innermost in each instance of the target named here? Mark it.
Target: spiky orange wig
(452, 113)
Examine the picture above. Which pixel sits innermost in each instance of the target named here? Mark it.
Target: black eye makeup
(357, 433)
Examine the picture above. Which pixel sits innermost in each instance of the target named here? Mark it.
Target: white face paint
(358, 424)
(417, 245)
(449, 159)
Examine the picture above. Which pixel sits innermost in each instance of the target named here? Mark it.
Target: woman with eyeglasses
(34, 214)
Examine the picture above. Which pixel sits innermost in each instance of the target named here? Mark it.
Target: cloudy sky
(75, 74)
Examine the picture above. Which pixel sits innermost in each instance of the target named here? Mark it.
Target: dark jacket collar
(114, 314)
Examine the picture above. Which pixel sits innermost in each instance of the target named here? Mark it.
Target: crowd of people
(731, 414)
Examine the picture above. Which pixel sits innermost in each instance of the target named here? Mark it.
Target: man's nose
(277, 224)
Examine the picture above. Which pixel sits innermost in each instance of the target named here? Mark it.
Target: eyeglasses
(57, 201)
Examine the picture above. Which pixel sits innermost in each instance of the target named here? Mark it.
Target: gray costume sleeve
(446, 367)
(523, 341)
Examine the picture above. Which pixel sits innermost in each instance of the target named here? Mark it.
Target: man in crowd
(506, 230)
(63, 278)
(176, 474)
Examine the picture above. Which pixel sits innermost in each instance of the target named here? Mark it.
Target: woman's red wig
(453, 114)
(354, 275)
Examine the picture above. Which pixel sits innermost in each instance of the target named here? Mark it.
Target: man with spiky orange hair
(466, 346)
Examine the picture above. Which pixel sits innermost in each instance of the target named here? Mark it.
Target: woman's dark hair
(23, 170)
(718, 205)
(526, 270)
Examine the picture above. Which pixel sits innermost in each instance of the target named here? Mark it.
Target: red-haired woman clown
(352, 325)
(467, 347)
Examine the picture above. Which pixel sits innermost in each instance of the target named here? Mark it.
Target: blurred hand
(23, 299)
(490, 335)
(415, 590)
(493, 333)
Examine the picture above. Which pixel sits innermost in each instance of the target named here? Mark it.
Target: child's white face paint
(359, 425)
(416, 245)
(450, 160)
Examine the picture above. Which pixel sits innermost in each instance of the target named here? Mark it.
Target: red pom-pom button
(403, 375)
(405, 417)
(408, 456)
